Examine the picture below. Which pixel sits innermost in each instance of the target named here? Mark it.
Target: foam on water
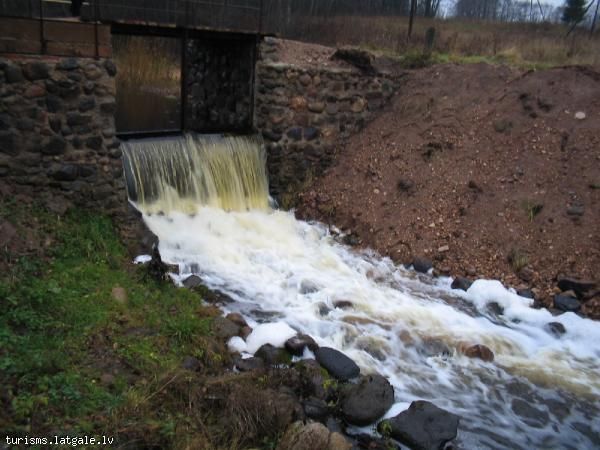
(540, 392)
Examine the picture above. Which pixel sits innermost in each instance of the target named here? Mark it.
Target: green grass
(61, 330)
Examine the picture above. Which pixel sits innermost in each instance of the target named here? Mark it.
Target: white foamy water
(540, 392)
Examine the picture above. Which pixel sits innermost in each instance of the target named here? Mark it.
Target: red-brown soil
(475, 166)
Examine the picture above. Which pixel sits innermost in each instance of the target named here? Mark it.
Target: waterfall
(185, 172)
(541, 390)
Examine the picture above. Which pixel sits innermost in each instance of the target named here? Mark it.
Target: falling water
(541, 391)
(183, 173)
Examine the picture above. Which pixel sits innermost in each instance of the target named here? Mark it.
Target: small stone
(421, 264)
(444, 248)
(35, 91)
(358, 105)
(272, 356)
(557, 329)
(295, 133)
(305, 79)
(94, 142)
(13, 74)
(68, 64)
(461, 283)
(87, 103)
(575, 210)
(191, 363)
(526, 274)
(311, 133)
(249, 364)
(316, 107)
(110, 67)
(580, 115)
(36, 71)
(581, 287)
(343, 304)
(480, 352)
(315, 408)
(298, 103)
(566, 303)
(296, 345)
(237, 318)
(55, 146)
(405, 185)
(65, 172)
(527, 293)
(224, 328)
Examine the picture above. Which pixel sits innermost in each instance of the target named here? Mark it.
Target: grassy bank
(88, 343)
(525, 44)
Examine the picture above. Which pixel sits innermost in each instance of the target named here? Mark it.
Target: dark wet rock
(527, 293)
(461, 283)
(68, 64)
(295, 133)
(566, 303)
(237, 318)
(479, 351)
(110, 67)
(224, 328)
(13, 73)
(55, 146)
(422, 264)
(308, 287)
(65, 172)
(367, 401)
(495, 309)
(316, 408)
(296, 345)
(272, 356)
(423, 426)
(556, 328)
(580, 287)
(249, 364)
(343, 304)
(193, 281)
(191, 363)
(36, 71)
(323, 309)
(245, 332)
(336, 363)
(311, 133)
(334, 424)
(531, 415)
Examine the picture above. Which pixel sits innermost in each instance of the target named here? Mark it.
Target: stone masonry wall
(57, 133)
(219, 75)
(304, 114)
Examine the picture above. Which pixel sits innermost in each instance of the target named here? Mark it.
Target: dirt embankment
(486, 170)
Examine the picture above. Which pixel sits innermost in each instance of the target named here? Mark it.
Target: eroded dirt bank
(488, 171)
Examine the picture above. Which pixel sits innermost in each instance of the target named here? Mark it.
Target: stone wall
(305, 113)
(219, 77)
(57, 134)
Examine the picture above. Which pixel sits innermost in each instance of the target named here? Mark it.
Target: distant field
(537, 44)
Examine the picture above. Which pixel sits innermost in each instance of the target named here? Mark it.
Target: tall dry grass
(538, 44)
(147, 61)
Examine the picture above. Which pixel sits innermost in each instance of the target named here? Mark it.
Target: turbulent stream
(206, 198)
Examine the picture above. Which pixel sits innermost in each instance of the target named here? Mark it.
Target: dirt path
(488, 171)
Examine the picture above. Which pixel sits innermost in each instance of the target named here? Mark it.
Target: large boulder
(336, 363)
(272, 355)
(312, 436)
(423, 426)
(367, 401)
